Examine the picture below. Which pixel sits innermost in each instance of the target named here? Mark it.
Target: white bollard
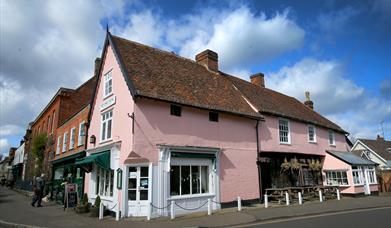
(266, 201)
(300, 198)
(101, 210)
(149, 211)
(320, 196)
(117, 213)
(239, 204)
(172, 209)
(287, 198)
(209, 206)
(338, 194)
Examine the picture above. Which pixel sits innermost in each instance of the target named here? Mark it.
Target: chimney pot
(258, 79)
(379, 138)
(209, 59)
(97, 65)
(308, 101)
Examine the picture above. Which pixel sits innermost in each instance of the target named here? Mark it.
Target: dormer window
(108, 86)
(176, 110)
(214, 116)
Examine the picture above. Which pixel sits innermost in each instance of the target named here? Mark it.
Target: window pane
(143, 194)
(185, 181)
(132, 183)
(204, 179)
(104, 131)
(144, 171)
(195, 179)
(174, 181)
(109, 129)
(132, 194)
(144, 182)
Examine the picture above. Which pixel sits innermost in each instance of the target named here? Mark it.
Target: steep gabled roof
(166, 76)
(380, 146)
(274, 103)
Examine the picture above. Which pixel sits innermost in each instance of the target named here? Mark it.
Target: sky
(339, 51)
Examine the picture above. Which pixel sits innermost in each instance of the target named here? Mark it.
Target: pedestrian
(39, 189)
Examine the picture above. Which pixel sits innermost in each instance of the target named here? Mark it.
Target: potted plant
(285, 166)
(94, 211)
(84, 205)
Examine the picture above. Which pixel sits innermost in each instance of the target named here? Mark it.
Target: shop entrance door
(138, 190)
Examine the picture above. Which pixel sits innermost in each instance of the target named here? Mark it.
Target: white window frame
(331, 133)
(81, 138)
(309, 140)
(107, 78)
(104, 124)
(100, 186)
(72, 138)
(64, 141)
(58, 149)
(373, 172)
(360, 176)
(192, 162)
(331, 181)
(289, 130)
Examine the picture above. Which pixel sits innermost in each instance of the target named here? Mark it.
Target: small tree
(97, 202)
(38, 150)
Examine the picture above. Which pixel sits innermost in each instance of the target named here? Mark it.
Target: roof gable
(378, 146)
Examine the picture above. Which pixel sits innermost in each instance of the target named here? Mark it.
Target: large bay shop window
(357, 175)
(189, 179)
(104, 182)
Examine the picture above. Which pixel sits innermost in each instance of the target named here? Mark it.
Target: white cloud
(239, 36)
(336, 21)
(4, 147)
(8, 130)
(334, 96)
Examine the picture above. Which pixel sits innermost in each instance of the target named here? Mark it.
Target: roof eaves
(117, 54)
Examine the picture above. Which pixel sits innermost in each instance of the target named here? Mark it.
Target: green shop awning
(192, 155)
(102, 159)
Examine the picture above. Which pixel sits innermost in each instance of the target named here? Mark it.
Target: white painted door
(367, 190)
(138, 187)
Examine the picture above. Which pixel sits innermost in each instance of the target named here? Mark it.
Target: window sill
(332, 145)
(358, 185)
(285, 143)
(313, 142)
(108, 95)
(184, 197)
(105, 141)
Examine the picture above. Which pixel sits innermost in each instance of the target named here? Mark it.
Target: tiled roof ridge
(273, 91)
(374, 140)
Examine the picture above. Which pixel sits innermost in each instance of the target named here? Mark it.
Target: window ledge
(313, 142)
(184, 197)
(108, 95)
(104, 198)
(332, 145)
(106, 141)
(284, 143)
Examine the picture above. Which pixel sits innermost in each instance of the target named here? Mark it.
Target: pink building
(168, 130)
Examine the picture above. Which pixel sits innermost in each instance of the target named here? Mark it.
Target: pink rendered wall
(235, 135)
(122, 123)
(269, 138)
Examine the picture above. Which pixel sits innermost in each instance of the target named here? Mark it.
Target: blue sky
(340, 51)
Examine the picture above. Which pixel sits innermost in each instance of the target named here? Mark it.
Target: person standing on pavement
(39, 188)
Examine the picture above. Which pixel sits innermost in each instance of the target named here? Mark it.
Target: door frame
(126, 184)
(367, 189)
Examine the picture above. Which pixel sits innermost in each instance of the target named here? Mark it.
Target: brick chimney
(258, 79)
(97, 65)
(308, 101)
(379, 138)
(209, 59)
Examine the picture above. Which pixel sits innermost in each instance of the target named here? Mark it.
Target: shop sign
(107, 103)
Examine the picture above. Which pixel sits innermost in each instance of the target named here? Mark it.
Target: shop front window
(189, 180)
(104, 182)
(337, 178)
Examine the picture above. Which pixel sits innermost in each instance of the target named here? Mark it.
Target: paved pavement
(375, 217)
(16, 208)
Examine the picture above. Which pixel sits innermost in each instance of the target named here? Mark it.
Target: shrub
(97, 202)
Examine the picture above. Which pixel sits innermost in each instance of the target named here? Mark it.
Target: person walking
(39, 187)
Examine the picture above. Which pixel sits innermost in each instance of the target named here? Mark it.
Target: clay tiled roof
(162, 75)
(380, 146)
(274, 103)
(166, 76)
